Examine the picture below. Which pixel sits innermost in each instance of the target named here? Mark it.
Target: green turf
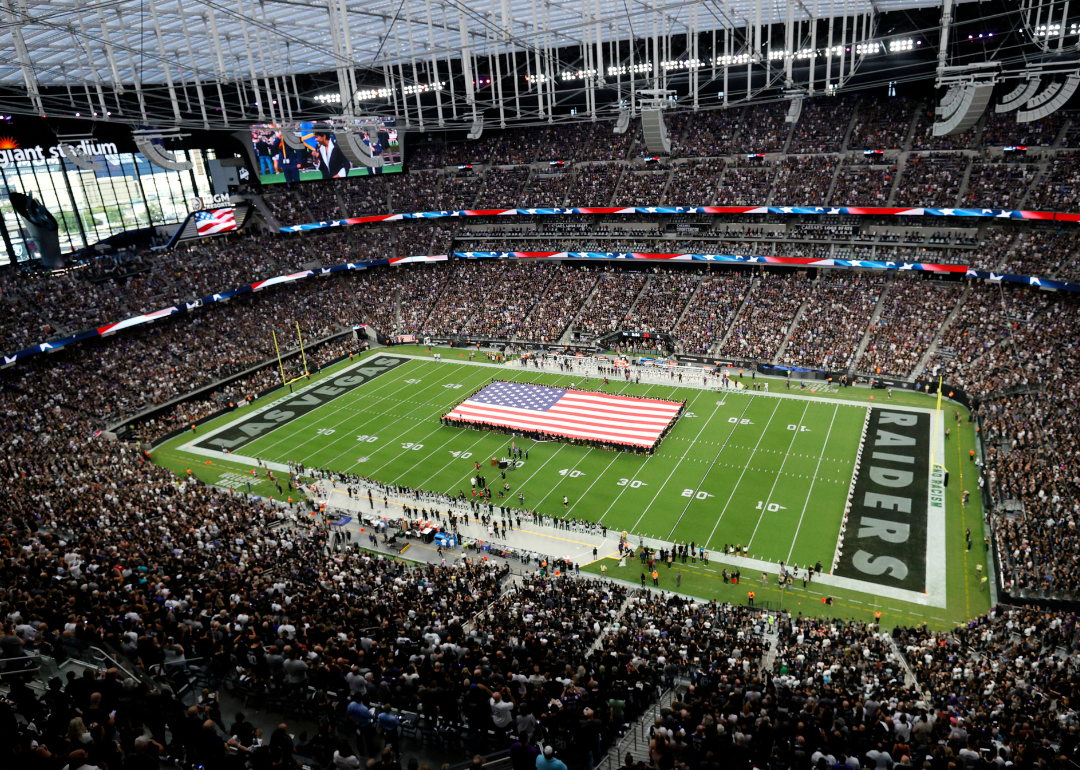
(312, 176)
(739, 468)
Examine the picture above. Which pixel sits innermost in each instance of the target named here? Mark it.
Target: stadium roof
(119, 41)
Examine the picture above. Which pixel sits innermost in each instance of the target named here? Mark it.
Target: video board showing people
(319, 154)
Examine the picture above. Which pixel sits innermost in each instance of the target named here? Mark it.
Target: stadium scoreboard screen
(312, 150)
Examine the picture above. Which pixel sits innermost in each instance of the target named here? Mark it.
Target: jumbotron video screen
(319, 155)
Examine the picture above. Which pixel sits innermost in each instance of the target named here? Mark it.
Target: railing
(636, 737)
(500, 760)
(46, 667)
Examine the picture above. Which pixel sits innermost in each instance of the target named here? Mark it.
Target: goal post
(303, 357)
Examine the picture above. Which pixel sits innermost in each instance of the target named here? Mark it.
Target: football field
(769, 472)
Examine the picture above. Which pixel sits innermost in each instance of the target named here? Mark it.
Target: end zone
(895, 540)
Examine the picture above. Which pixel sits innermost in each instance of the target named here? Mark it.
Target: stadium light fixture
(900, 46)
(577, 75)
(732, 61)
(422, 88)
(328, 98)
(684, 64)
(643, 68)
(370, 94)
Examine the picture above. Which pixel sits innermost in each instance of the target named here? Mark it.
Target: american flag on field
(570, 413)
(215, 221)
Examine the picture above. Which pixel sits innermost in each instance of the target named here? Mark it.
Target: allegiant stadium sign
(10, 155)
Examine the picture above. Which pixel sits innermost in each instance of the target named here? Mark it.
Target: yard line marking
(403, 371)
(428, 402)
(602, 473)
(357, 427)
(410, 414)
(706, 474)
(715, 408)
(564, 478)
(403, 451)
(526, 481)
(811, 492)
(482, 437)
(736, 487)
(647, 459)
(779, 473)
(453, 436)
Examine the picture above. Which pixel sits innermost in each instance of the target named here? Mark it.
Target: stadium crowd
(822, 125)
(968, 677)
(607, 310)
(913, 312)
(415, 192)
(999, 185)
(1059, 188)
(882, 123)
(457, 192)
(662, 301)
(593, 185)
(861, 183)
(834, 320)
(746, 184)
(562, 297)
(102, 547)
(546, 191)
(363, 196)
(321, 200)
(502, 188)
(711, 311)
(801, 179)
(640, 188)
(765, 319)
(695, 183)
(705, 134)
(931, 180)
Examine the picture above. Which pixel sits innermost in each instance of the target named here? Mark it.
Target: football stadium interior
(532, 385)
